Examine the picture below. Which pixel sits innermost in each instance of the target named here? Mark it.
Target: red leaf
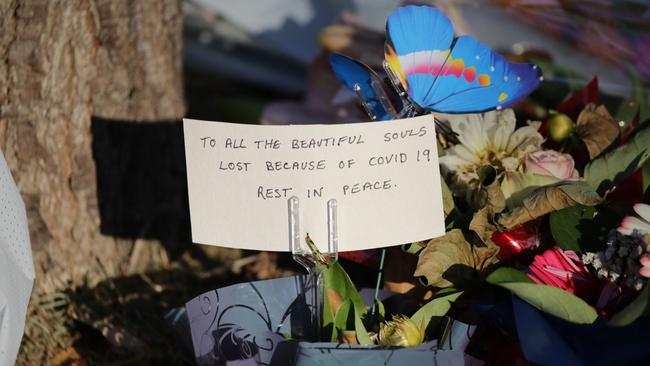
(629, 192)
(576, 102)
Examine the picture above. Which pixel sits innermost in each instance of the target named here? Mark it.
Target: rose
(550, 163)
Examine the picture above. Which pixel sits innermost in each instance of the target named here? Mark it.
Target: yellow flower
(400, 332)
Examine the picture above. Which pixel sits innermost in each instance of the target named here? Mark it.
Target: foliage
(638, 307)
(546, 199)
(597, 129)
(554, 301)
(451, 259)
(507, 274)
(582, 228)
(612, 168)
(439, 306)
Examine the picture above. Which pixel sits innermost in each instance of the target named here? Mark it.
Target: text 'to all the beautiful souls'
(368, 184)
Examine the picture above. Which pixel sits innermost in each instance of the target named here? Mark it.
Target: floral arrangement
(547, 210)
(553, 212)
(547, 205)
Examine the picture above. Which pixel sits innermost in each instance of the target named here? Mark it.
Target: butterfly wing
(476, 79)
(362, 80)
(466, 77)
(418, 40)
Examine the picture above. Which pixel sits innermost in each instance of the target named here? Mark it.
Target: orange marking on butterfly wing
(484, 80)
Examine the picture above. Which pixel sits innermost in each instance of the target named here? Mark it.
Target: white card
(384, 176)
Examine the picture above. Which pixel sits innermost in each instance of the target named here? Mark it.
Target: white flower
(487, 139)
(630, 224)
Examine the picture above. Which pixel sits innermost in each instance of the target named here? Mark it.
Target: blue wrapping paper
(266, 323)
(547, 340)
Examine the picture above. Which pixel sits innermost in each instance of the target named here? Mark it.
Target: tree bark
(61, 62)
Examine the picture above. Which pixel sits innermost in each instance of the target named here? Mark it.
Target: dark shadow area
(120, 320)
(140, 166)
(592, 230)
(141, 181)
(460, 275)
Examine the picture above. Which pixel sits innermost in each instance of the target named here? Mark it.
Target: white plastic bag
(16, 266)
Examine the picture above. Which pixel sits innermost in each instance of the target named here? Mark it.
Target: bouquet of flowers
(546, 254)
(548, 225)
(547, 241)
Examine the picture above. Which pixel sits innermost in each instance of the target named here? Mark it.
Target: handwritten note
(384, 176)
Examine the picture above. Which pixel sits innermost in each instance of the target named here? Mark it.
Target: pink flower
(639, 225)
(564, 269)
(645, 265)
(550, 163)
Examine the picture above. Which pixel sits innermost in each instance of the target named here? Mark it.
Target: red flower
(564, 269)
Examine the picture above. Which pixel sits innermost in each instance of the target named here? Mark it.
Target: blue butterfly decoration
(431, 70)
(368, 86)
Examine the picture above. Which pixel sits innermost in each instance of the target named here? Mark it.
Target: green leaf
(436, 307)
(582, 228)
(337, 288)
(362, 333)
(344, 319)
(627, 111)
(564, 225)
(347, 319)
(634, 310)
(380, 308)
(507, 274)
(554, 301)
(612, 168)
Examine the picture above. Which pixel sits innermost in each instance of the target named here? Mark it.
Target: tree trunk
(63, 61)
